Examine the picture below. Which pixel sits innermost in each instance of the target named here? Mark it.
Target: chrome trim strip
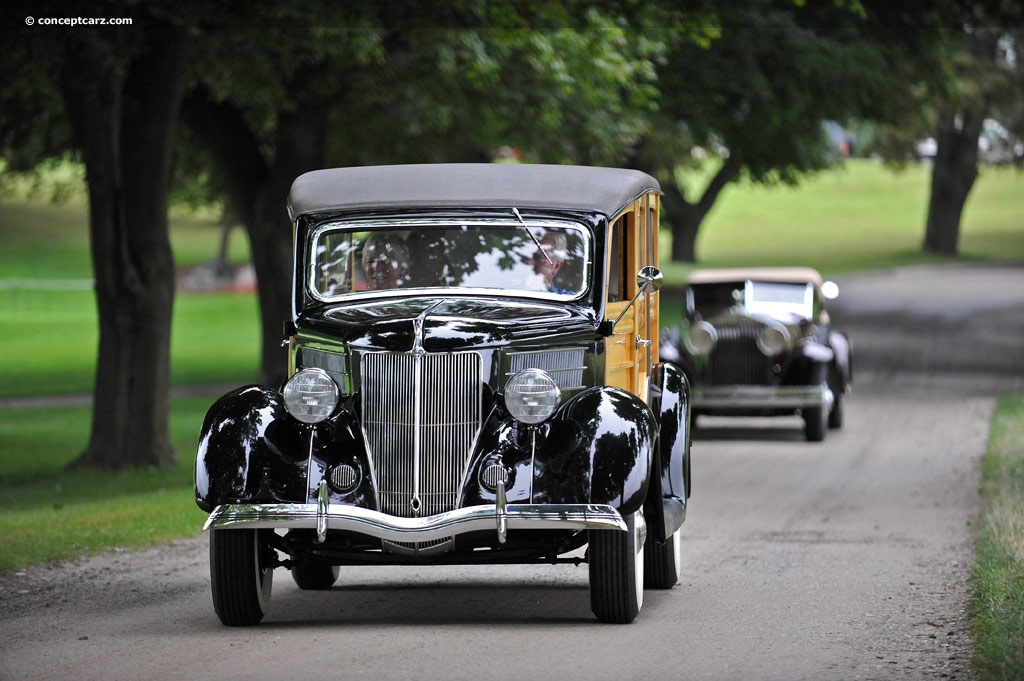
(323, 503)
(417, 426)
(429, 528)
(342, 225)
(501, 511)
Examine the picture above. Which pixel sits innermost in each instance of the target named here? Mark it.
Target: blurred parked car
(473, 379)
(758, 342)
(996, 146)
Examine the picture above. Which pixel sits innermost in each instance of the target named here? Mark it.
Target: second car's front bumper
(762, 397)
(499, 517)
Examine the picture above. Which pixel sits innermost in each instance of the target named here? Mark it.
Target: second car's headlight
(531, 396)
(773, 340)
(311, 395)
(701, 338)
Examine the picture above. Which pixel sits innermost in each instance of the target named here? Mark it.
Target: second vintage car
(474, 378)
(759, 342)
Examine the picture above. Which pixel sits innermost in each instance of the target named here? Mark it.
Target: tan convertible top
(793, 275)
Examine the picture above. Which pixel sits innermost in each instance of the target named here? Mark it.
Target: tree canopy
(266, 92)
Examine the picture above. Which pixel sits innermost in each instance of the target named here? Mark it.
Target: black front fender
(246, 433)
(599, 449)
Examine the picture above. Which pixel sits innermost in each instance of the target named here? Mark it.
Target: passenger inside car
(385, 260)
(547, 261)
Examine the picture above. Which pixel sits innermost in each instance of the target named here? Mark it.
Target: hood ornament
(417, 327)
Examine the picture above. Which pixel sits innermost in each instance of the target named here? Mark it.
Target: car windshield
(544, 258)
(710, 300)
(782, 301)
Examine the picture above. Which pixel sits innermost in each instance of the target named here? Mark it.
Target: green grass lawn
(860, 216)
(49, 514)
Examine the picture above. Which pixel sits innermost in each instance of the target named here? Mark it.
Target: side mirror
(651, 277)
(647, 277)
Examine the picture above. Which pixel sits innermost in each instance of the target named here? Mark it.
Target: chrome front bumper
(762, 397)
(500, 517)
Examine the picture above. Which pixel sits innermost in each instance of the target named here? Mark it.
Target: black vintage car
(473, 379)
(759, 342)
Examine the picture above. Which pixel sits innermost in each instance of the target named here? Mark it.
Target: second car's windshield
(550, 258)
(780, 300)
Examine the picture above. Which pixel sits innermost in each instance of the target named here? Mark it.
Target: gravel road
(846, 559)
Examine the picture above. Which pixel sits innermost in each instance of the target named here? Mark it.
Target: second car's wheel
(616, 561)
(835, 415)
(662, 561)
(815, 423)
(241, 575)
(315, 576)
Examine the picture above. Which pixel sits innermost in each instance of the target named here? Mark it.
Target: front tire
(663, 561)
(241, 575)
(815, 423)
(835, 415)
(616, 562)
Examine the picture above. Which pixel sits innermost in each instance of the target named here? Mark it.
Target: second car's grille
(736, 360)
(421, 415)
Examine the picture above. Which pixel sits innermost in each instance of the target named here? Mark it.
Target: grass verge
(997, 579)
(49, 514)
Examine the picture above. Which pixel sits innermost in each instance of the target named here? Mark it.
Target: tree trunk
(301, 139)
(686, 217)
(124, 117)
(953, 176)
(258, 193)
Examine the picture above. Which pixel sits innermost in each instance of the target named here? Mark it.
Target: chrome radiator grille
(421, 415)
(736, 360)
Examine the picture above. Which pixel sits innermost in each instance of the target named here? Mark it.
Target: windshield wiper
(532, 236)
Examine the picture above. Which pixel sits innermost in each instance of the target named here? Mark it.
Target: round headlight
(700, 338)
(311, 395)
(773, 340)
(532, 396)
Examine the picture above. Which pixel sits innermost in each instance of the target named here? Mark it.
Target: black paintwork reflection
(249, 449)
(670, 487)
(597, 449)
(603, 439)
(452, 324)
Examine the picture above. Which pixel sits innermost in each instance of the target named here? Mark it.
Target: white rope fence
(23, 298)
(47, 284)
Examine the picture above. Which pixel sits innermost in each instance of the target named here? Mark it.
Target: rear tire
(241, 575)
(662, 561)
(315, 576)
(616, 561)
